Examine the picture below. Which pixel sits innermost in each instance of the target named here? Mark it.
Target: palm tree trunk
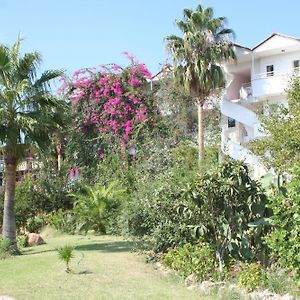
(9, 221)
(200, 130)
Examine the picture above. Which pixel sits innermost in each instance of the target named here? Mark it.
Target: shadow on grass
(30, 251)
(107, 247)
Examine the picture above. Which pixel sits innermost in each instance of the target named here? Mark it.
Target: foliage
(65, 254)
(39, 194)
(5, 250)
(158, 214)
(36, 223)
(233, 207)
(28, 116)
(52, 189)
(22, 241)
(190, 259)
(62, 220)
(173, 100)
(283, 240)
(205, 42)
(110, 105)
(28, 111)
(252, 276)
(279, 281)
(197, 56)
(280, 148)
(96, 206)
(25, 203)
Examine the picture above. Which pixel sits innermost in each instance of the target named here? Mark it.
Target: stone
(190, 280)
(206, 287)
(34, 239)
(287, 297)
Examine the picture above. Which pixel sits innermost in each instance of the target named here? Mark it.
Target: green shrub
(190, 259)
(35, 223)
(279, 281)
(22, 241)
(233, 211)
(252, 276)
(5, 250)
(63, 221)
(97, 207)
(284, 240)
(160, 215)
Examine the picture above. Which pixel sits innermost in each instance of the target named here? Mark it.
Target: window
(296, 64)
(231, 122)
(270, 70)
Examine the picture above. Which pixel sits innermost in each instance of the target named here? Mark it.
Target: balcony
(270, 84)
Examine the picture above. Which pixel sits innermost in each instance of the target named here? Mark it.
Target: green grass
(103, 267)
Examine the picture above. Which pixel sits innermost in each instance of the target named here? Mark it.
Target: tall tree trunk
(59, 148)
(200, 130)
(9, 221)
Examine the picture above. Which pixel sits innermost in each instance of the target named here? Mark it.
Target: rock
(190, 280)
(206, 287)
(287, 297)
(34, 239)
(192, 287)
(232, 286)
(264, 295)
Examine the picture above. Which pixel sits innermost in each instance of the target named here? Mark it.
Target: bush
(98, 207)
(233, 211)
(283, 240)
(63, 221)
(279, 281)
(35, 223)
(252, 276)
(5, 250)
(160, 215)
(22, 241)
(190, 259)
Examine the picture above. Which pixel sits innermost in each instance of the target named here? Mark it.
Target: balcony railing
(275, 83)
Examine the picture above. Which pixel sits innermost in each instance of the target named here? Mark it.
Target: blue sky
(73, 34)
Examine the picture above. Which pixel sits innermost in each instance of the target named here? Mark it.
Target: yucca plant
(65, 254)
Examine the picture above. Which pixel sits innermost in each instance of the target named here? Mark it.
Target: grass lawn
(103, 268)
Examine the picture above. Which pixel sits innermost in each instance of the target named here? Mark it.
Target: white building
(258, 78)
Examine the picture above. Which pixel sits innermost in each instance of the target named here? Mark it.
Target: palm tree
(96, 204)
(197, 56)
(28, 113)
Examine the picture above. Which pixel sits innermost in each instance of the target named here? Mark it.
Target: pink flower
(134, 82)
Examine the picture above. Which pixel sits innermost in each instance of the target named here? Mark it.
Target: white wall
(277, 84)
(282, 63)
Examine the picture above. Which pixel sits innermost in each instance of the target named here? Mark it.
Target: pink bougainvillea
(110, 102)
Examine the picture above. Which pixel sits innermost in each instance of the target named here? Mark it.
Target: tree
(111, 105)
(28, 113)
(197, 56)
(232, 211)
(280, 148)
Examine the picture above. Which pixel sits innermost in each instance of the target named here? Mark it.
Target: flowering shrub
(110, 103)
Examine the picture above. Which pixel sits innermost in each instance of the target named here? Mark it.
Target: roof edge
(272, 35)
